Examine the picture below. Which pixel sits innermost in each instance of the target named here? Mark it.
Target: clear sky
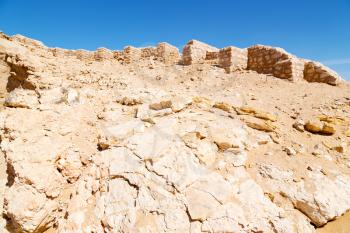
(314, 29)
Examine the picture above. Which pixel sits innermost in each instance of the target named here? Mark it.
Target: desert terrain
(151, 140)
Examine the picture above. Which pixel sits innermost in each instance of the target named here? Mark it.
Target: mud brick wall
(195, 52)
(316, 72)
(275, 61)
(233, 58)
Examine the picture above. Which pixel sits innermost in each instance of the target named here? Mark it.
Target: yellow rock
(313, 126)
(262, 126)
(328, 129)
(256, 113)
(332, 120)
(347, 133)
(161, 105)
(223, 106)
(339, 149)
(318, 128)
(202, 101)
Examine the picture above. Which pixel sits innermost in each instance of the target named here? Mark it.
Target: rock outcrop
(142, 140)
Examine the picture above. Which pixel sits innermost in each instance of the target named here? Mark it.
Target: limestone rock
(321, 203)
(260, 125)
(148, 140)
(256, 113)
(299, 125)
(32, 213)
(178, 103)
(52, 96)
(223, 106)
(235, 157)
(290, 151)
(20, 98)
(227, 134)
(319, 128)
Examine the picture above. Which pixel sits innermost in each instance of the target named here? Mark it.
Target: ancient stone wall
(167, 53)
(131, 54)
(233, 58)
(103, 54)
(148, 52)
(164, 52)
(212, 55)
(275, 61)
(84, 55)
(196, 51)
(316, 72)
(27, 41)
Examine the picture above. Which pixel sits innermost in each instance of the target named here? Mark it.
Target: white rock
(22, 98)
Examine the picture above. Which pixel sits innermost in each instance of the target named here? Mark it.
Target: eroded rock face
(122, 141)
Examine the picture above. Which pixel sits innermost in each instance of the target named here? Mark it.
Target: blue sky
(314, 29)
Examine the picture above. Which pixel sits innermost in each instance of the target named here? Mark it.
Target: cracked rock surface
(92, 143)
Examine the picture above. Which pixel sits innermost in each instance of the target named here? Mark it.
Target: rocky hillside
(151, 140)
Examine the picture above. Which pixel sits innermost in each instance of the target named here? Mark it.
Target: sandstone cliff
(151, 140)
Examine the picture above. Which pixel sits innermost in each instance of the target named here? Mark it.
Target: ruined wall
(233, 58)
(84, 55)
(275, 61)
(131, 54)
(148, 52)
(196, 51)
(164, 52)
(212, 55)
(81, 54)
(103, 54)
(316, 72)
(167, 53)
(27, 41)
